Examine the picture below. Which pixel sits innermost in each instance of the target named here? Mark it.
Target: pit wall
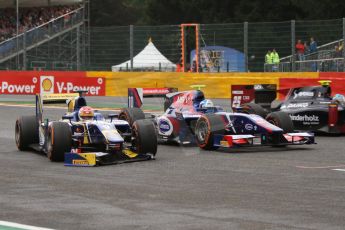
(218, 85)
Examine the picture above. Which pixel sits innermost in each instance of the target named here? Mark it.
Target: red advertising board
(337, 84)
(32, 82)
(241, 94)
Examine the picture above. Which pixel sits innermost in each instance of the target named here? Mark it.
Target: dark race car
(83, 137)
(190, 118)
(310, 108)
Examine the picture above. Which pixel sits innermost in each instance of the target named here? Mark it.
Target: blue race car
(190, 118)
(83, 137)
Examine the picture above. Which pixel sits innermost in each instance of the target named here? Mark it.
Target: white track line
(22, 226)
(341, 170)
(319, 167)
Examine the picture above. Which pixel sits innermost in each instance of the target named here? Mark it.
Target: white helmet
(339, 98)
(206, 104)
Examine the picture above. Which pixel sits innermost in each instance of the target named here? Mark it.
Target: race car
(311, 108)
(83, 137)
(190, 118)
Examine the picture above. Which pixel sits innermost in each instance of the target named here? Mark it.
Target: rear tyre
(131, 115)
(282, 120)
(59, 141)
(144, 137)
(206, 127)
(252, 108)
(26, 132)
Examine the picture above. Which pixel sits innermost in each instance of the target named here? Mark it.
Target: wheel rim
(134, 139)
(17, 135)
(202, 131)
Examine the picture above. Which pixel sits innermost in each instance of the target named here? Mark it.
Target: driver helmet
(86, 113)
(206, 104)
(339, 98)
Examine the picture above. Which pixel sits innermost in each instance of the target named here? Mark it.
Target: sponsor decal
(26, 83)
(155, 91)
(22, 86)
(80, 162)
(248, 127)
(295, 105)
(303, 94)
(306, 119)
(165, 127)
(258, 87)
(47, 84)
(240, 92)
(51, 84)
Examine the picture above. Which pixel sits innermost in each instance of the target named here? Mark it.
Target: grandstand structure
(60, 43)
(68, 42)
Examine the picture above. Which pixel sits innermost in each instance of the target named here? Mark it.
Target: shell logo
(47, 85)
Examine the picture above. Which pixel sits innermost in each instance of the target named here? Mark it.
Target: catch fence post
(343, 44)
(245, 45)
(131, 40)
(293, 42)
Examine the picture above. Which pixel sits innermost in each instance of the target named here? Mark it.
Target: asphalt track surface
(184, 188)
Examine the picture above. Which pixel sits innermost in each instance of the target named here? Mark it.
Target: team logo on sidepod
(165, 127)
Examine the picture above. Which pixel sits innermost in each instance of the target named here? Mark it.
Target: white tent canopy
(148, 59)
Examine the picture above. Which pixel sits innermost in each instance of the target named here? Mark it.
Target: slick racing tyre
(26, 132)
(282, 120)
(144, 137)
(131, 115)
(59, 141)
(252, 108)
(206, 127)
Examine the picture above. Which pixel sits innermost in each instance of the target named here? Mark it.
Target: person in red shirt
(300, 48)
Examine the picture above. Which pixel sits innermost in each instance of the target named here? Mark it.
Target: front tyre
(282, 120)
(206, 127)
(26, 132)
(59, 141)
(144, 137)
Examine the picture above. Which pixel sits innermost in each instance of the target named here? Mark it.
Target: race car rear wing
(51, 99)
(136, 95)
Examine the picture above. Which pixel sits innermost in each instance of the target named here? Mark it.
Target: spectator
(306, 48)
(338, 51)
(268, 58)
(268, 61)
(29, 18)
(312, 45)
(275, 60)
(300, 50)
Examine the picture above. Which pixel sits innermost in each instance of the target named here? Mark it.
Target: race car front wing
(229, 141)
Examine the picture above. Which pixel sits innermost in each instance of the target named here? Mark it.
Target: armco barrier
(116, 84)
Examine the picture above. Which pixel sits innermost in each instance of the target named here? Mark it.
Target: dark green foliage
(159, 12)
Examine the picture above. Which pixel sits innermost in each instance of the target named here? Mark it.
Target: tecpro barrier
(216, 85)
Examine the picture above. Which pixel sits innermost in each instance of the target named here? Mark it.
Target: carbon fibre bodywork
(313, 109)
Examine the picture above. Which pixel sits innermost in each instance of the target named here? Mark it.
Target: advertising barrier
(32, 82)
(218, 85)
